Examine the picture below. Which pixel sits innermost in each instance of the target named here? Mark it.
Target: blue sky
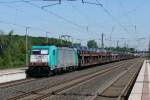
(116, 19)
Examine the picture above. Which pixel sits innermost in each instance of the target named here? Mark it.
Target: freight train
(49, 60)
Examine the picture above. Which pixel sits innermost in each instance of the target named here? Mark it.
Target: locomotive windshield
(40, 52)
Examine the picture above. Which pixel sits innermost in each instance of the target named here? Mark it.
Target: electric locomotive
(48, 60)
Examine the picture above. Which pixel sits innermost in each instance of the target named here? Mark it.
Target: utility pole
(125, 44)
(72, 40)
(47, 37)
(110, 42)
(99, 44)
(149, 49)
(102, 45)
(60, 39)
(78, 41)
(117, 43)
(135, 29)
(27, 46)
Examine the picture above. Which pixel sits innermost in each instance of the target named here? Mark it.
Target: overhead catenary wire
(22, 26)
(60, 17)
(79, 26)
(26, 26)
(113, 18)
(87, 18)
(6, 2)
(52, 13)
(71, 22)
(16, 1)
(35, 28)
(83, 1)
(19, 25)
(22, 11)
(122, 6)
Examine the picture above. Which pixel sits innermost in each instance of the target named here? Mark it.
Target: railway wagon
(92, 56)
(47, 60)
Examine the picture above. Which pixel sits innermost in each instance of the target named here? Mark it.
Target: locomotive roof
(42, 47)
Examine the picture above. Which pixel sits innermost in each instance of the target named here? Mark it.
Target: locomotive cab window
(36, 52)
(39, 52)
(44, 52)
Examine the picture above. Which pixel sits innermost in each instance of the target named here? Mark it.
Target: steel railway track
(19, 82)
(20, 87)
(105, 91)
(15, 83)
(52, 90)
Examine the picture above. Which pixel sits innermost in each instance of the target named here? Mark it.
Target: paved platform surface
(12, 74)
(141, 89)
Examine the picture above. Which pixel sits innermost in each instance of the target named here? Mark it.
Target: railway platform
(8, 75)
(141, 88)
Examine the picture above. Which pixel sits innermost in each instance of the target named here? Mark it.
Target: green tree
(11, 33)
(92, 44)
(13, 53)
(7, 58)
